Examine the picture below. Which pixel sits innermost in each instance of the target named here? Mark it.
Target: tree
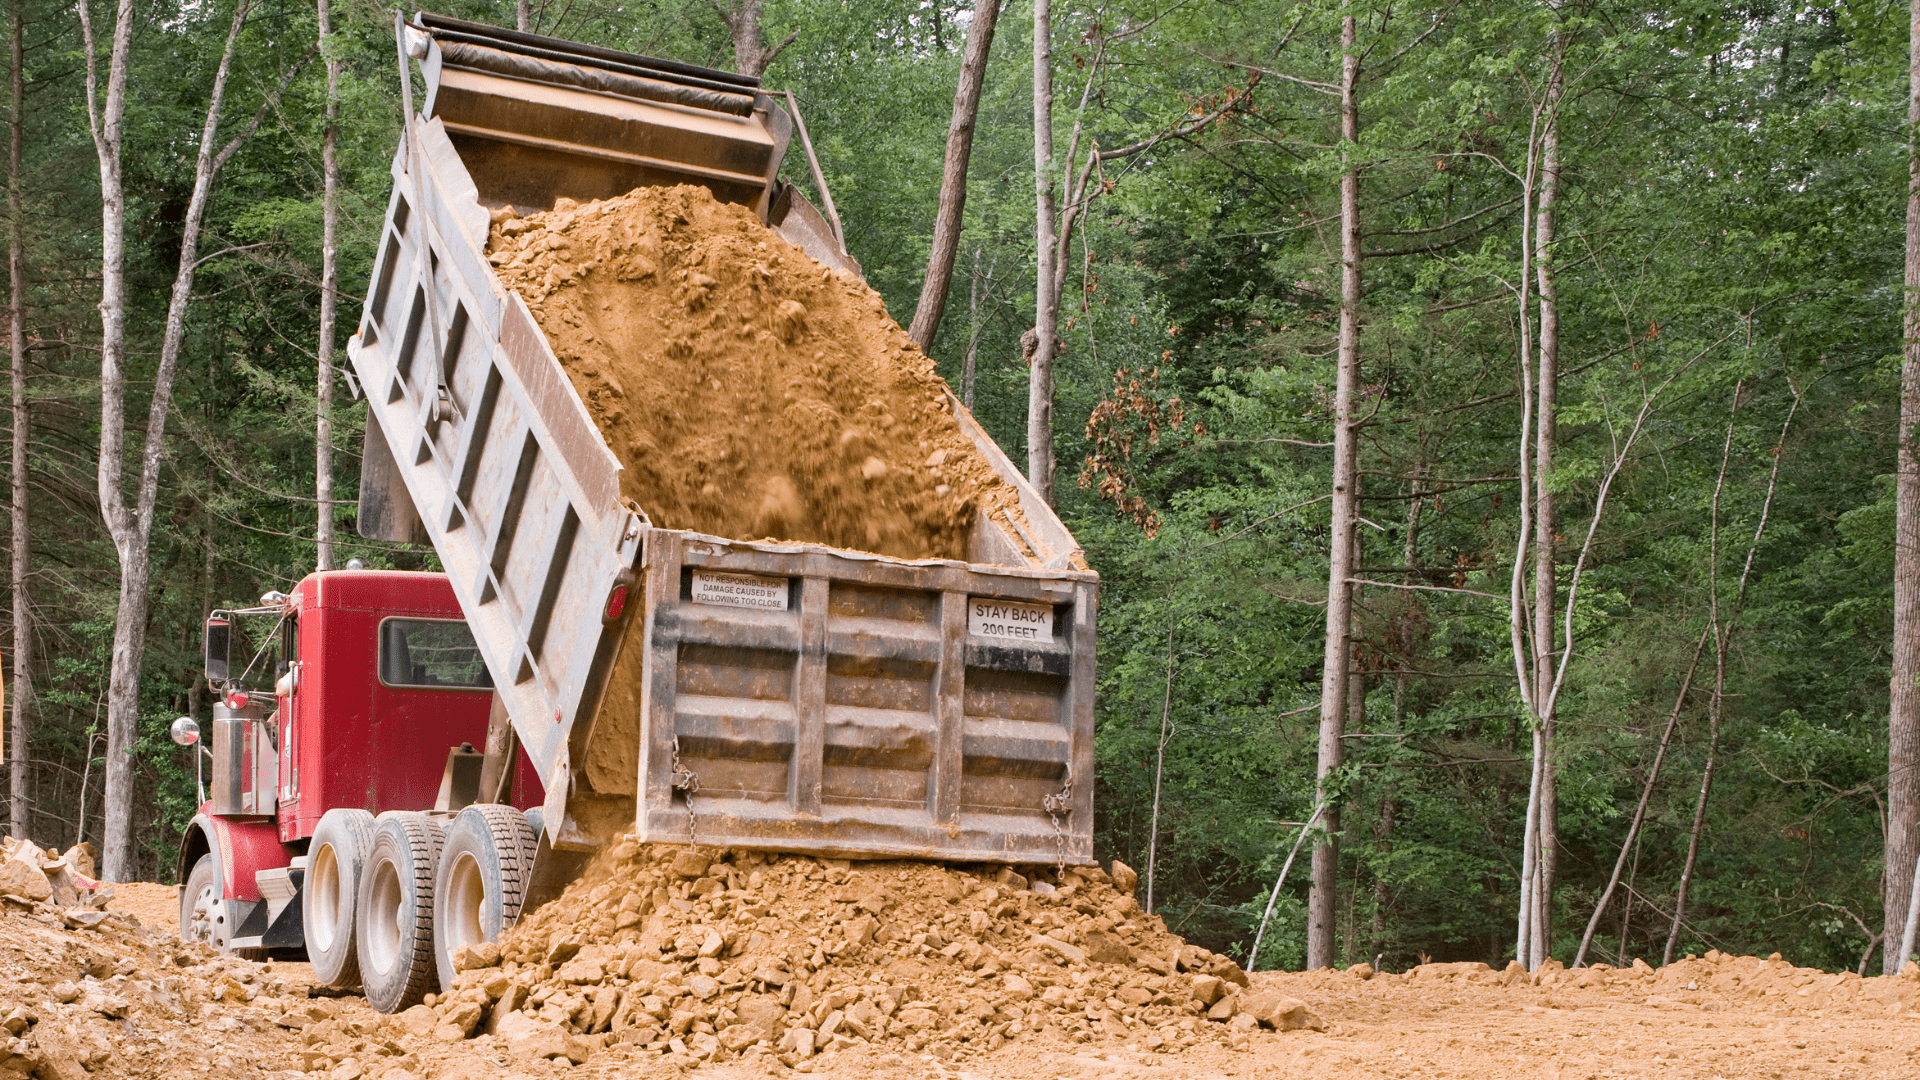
(329, 290)
(21, 734)
(1341, 536)
(1039, 347)
(131, 526)
(751, 53)
(1903, 704)
(953, 179)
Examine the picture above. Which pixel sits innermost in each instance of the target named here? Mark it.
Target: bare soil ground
(125, 999)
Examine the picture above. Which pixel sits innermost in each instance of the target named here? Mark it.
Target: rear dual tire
(486, 864)
(393, 912)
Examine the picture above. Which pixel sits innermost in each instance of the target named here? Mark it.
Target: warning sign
(740, 590)
(1009, 620)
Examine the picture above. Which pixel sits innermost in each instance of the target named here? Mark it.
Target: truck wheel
(200, 902)
(206, 917)
(393, 912)
(484, 869)
(334, 857)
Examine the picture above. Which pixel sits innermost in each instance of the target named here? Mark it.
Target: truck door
(287, 697)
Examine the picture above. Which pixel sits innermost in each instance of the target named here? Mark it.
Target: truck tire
(204, 916)
(393, 912)
(485, 866)
(335, 856)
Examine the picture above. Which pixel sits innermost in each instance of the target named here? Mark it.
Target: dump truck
(417, 758)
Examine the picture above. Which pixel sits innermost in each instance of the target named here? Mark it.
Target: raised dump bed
(772, 693)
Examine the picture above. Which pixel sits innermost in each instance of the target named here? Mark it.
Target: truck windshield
(431, 653)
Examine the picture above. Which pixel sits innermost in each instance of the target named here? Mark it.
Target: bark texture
(953, 178)
(751, 53)
(1321, 914)
(1903, 734)
(1544, 580)
(106, 118)
(22, 732)
(1046, 321)
(329, 299)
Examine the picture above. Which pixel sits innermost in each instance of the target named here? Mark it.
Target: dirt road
(1721, 1017)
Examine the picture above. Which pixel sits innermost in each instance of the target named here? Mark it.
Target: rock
(111, 1006)
(703, 986)
(1361, 971)
(581, 969)
(1017, 988)
(59, 1060)
(1224, 1008)
(65, 992)
(1282, 1013)
(562, 949)
(737, 1037)
(1073, 953)
(18, 878)
(463, 1017)
(515, 1026)
(419, 1020)
(1124, 878)
(690, 864)
(1107, 949)
(83, 919)
(713, 944)
(495, 984)
(1208, 988)
(1227, 970)
(762, 1014)
(542, 1040)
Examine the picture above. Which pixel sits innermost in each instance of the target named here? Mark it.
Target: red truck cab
(349, 691)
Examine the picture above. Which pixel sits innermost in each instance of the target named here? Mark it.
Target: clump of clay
(749, 391)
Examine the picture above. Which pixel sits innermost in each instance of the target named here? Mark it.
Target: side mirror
(219, 643)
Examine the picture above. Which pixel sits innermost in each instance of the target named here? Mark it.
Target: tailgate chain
(685, 779)
(1055, 805)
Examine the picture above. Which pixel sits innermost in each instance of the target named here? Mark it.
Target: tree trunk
(953, 179)
(750, 52)
(131, 526)
(16, 320)
(105, 120)
(1046, 307)
(522, 21)
(1903, 727)
(329, 301)
(1544, 583)
(1345, 513)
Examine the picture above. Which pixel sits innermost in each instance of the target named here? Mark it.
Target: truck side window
(431, 654)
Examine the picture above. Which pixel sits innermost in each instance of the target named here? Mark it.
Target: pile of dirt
(750, 391)
(1718, 980)
(87, 993)
(674, 950)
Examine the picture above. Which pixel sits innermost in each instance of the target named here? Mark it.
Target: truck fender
(245, 848)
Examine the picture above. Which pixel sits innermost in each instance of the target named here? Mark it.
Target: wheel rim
(466, 898)
(206, 904)
(384, 914)
(324, 889)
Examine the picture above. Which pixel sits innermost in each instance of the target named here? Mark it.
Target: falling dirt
(126, 999)
(749, 391)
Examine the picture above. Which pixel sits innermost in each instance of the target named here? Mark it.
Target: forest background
(1726, 262)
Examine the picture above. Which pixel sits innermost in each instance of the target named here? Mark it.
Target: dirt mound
(91, 993)
(673, 950)
(750, 391)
